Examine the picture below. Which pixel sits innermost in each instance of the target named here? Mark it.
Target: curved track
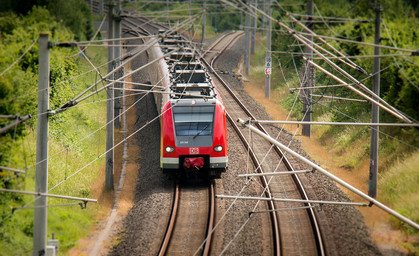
(295, 232)
(299, 229)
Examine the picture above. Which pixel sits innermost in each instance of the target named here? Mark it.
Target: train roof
(189, 79)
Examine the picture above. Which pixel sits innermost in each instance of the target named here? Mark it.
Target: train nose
(193, 163)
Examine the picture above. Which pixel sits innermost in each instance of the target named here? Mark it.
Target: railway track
(295, 232)
(191, 221)
(138, 24)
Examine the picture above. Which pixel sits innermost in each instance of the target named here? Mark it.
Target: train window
(193, 117)
(193, 124)
(193, 129)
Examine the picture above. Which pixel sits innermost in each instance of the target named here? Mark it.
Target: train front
(194, 138)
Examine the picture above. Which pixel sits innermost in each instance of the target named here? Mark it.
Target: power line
(328, 18)
(18, 121)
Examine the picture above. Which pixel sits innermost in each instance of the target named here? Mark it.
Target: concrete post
(41, 176)
(268, 53)
(247, 44)
(375, 110)
(117, 54)
(109, 108)
(308, 77)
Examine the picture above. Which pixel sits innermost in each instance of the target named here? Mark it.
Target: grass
(68, 223)
(399, 186)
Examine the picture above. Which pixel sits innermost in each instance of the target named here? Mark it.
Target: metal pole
(263, 17)
(254, 24)
(167, 11)
(331, 176)
(204, 23)
(109, 108)
(268, 54)
(117, 55)
(101, 6)
(247, 44)
(190, 27)
(41, 176)
(372, 187)
(308, 77)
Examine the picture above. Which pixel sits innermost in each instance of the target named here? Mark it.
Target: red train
(193, 121)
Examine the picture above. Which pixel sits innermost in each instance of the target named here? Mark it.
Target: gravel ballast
(142, 228)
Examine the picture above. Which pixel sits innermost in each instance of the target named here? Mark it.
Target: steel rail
(211, 219)
(277, 246)
(151, 22)
(135, 27)
(271, 206)
(297, 181)
(225, 47)
(172, 221)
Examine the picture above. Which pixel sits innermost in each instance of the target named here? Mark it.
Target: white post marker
(268, 65)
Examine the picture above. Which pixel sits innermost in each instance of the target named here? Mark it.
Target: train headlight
(218, 148)
(170, 149)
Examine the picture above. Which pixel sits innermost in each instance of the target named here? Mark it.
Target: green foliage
(70, 146)
(399, 87)
(75, 14)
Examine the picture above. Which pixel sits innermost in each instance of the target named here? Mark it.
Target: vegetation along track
(191, 221)
(295, 231)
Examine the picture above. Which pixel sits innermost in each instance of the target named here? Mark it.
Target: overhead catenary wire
(18, 121)
(336, 179)
(12, 169)
(10, 215)
(347, 56)
(351, 63)
(338, 98)
(395, 60)
(380, 131)
(119, 143)
(74, 102)
(151, 44)
(88, 42)
(332, 123)
(233, 238)
(40, 194)
(67, 177)
(118, 115)
(265, 158)
(304, 41)
(389, 109)
(396, 114)
(71, 102)
(328, 18)
(413, 52)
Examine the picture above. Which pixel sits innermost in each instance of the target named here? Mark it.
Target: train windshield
(196, 121)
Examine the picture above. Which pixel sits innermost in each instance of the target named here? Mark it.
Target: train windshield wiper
(201, 131)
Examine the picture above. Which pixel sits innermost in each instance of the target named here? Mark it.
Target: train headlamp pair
(218, 148)
(170, 149)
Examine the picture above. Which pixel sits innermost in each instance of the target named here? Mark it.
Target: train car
(193, 121)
